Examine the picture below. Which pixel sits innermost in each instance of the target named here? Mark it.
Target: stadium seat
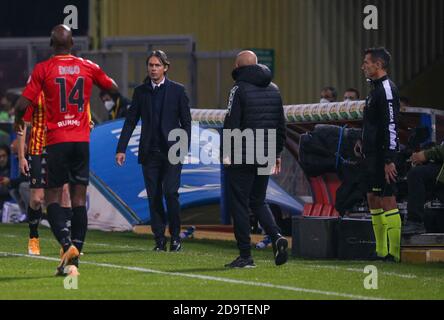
(332, 183)
(319, 190)
(308, 207)
(317, 210)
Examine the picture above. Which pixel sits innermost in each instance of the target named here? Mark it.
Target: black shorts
(67, 162)
(37, 170)
(375, 177)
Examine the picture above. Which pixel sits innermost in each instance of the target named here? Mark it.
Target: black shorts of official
(37, 171)
(67, 162)
(375, 177)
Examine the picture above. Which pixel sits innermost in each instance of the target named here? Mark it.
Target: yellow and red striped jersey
(36, 115)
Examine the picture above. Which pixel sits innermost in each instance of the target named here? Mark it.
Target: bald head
(61, 38)
(246, 58)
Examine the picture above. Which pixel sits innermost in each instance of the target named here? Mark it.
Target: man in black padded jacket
(255, 113)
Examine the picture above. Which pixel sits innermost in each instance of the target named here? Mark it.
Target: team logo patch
(231, 98)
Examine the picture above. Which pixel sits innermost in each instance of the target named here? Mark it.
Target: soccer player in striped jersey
(35, 168)
(67, 82)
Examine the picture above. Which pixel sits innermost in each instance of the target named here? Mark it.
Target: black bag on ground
(318, 150)
(314, 237)
(356, 239)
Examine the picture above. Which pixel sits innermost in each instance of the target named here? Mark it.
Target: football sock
(394, 233)
(57, 221)
(380, 230)
(79, 225)
(68, 217)
(34, 217)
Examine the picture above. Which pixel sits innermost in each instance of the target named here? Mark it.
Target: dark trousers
(245, 191)
(421, 182)
(162, 179)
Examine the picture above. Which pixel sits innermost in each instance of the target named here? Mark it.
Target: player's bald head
(246, 58)
(61, 37)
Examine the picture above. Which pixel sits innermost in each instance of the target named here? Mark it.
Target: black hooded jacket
(255, 103)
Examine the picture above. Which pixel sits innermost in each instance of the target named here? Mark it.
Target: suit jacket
(175, 114)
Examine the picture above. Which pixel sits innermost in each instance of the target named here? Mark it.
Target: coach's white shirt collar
(154, 85)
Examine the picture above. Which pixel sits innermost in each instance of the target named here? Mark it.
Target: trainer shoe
(375, 257)
(68, 258)
(160, 246)
(175, 246)
(34, 247)
(390, 258)
(387, 258)
(412, 228)
(240, 262)
(280, 251)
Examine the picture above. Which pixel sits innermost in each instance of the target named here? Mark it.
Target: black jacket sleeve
(131, 120)
(389, 126)
(233, 117)
(233, 120)
(185, 115)
(281, 133)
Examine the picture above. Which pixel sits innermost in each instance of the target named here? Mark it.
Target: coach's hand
(277, 167)
(24, 166)
(120, 158)
(390, 172)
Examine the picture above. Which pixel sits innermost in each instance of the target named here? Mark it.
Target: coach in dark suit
(162, 105)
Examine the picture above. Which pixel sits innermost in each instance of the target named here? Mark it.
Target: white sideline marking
(203, 277)
(305, 266)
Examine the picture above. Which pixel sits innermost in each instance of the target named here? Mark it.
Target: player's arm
(21, 145)
(20, 108)
(102, 80)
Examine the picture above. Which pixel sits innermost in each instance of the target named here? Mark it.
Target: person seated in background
(4, 109)
(426, 176)
(5, 173)
(5, 106)
(405, 102)
(351, 94)
(116, 104)
(19, 187)
(328, 94)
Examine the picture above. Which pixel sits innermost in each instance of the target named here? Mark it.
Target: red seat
(332, 183)
(319, 190)
(317, 210)
(326, 210)
(308, 208)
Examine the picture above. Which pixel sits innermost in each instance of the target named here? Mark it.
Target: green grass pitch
(122, 266)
